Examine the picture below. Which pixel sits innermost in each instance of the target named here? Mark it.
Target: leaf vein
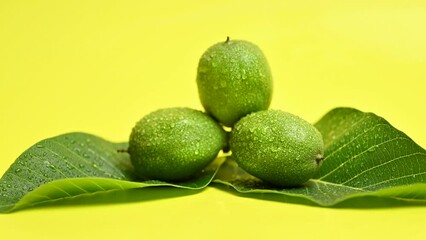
(62, 190)
(97, 185)
(107, 162)
(355, 156)
(43, 176)
(70, 163)
(337, 185)
(355, 138)
(25, 179)
(77, 186)
(394, 179)
(340, 135)
(382, 164)
(80, 157)
(321, 191)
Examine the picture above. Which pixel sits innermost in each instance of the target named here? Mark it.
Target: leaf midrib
(337, 185)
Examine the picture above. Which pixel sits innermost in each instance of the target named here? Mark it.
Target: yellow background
(98, 66)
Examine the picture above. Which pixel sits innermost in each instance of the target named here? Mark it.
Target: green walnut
(277, 147)
(234, 79)
(174, 143)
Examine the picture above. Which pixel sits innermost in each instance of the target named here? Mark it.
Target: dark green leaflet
(75, 164)
(364, 156)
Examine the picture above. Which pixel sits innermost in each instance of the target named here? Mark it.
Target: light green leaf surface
(364, 156)
(76, 164)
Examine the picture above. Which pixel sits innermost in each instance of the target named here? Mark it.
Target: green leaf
(76, 164)
(364, 156)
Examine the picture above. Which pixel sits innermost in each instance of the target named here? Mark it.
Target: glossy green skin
(174, 143)
(233, 80)
(277, 147)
